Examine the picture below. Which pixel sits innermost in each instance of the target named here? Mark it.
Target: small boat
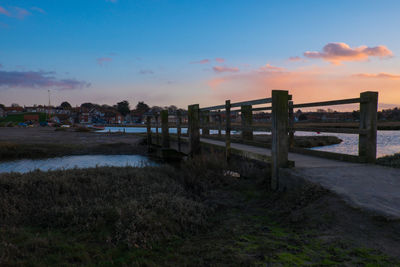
(96, 127)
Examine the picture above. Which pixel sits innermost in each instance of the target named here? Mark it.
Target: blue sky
(106, 51)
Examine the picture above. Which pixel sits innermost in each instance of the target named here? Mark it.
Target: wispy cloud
(336, 53)
(294, 59)
(37, 80)
(4, 11)
(220, 60)
(381, 75)
(221, 69)
(203, 61)
(144, 72)
(15, 12)
(269, 67)
(102, 60)
(38, 9)
(21, 13)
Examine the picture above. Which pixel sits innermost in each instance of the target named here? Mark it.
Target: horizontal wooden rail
(252, 102)
(328, 103)
(328, 130)
(261, 109)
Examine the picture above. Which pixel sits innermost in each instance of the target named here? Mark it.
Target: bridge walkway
(366, 186)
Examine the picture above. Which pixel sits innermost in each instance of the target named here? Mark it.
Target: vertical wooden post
(157, 135)
(149, 141)
(164, 129)
(279, 134)
(247, 122)
(194, 129)
(368, 126)
(219, 123)
(291, 125)
(205, 118)
(178, 128)
(228, 129)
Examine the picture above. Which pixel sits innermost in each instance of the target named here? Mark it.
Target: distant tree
(303, 117)
(156, 109)
(172, 109)
(2, 106)
(65, 105)
(15, 105)
(141, 108)
(123, 107)
(88, 105)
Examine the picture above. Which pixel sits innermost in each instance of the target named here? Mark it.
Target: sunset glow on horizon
(186, 52)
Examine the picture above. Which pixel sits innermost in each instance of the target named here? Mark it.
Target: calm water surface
(388, 142)
(70, 162)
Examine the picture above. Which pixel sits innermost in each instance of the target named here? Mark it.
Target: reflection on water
(388, 142)
(70, 162)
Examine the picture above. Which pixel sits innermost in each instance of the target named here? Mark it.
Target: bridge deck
(370, 187)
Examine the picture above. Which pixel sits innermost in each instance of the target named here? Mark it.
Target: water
(388, 142)
(70, 162)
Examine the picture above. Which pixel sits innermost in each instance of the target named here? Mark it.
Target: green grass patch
(16, 118)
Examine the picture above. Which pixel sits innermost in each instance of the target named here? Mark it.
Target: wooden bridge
(355, 178)
(282, 126)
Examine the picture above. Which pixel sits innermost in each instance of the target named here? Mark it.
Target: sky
(197, 52)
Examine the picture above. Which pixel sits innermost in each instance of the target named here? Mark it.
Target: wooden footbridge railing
(281, 124)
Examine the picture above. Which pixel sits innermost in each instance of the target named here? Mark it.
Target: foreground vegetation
(198, 214)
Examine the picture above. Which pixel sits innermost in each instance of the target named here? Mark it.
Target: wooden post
(279, 134)
(368, 126)
(164, 129)
(228, 130)
(178, 128)
(291, 125)
(149, 142)
(247, 121)
(205, 118)
(157, 135)
(194, 130)
(219, 123)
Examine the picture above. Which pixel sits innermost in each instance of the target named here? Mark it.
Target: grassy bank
(12, 151)
(197, 215)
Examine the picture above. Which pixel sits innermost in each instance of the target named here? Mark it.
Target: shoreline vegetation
(198, 214)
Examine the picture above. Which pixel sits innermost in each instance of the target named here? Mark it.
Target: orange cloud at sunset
(381, 75)
(220, 69)
(335, 53)
(306, 85)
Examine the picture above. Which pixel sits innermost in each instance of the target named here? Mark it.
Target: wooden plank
(165, 129)
(368, 124)
(205, 121)
(213, 108)
(262, 109)
(247, 121)
(328, 103)
(228, 129)
(280, 146)
(252, 102)
(194, 129)
(291, 124)
(157, 134)
(178, 128)
(329, 130)
(149, 141)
